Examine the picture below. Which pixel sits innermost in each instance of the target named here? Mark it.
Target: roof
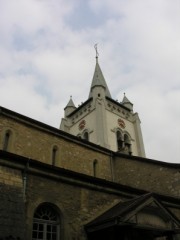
(70, 104)
(126, 100)
(99, 80)
(123, 212)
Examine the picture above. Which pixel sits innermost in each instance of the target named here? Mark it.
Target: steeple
(104, 121)
(98, 78)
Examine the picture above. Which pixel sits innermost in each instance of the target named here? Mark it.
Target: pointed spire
(127, 103)
(70, 107)
(70, 103)
(98, 78)
(125, 99)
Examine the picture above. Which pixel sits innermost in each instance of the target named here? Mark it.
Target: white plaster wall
(112, 124)
(105, 132)
(90, 126)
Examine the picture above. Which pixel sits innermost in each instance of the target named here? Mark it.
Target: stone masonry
(35, 140)
(12, 210)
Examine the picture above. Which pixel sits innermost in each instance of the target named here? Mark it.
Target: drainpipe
(24, 175)
(112, 166)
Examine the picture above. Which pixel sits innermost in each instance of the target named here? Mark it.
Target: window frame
(42, 226)
(7, 140)
(54, 154)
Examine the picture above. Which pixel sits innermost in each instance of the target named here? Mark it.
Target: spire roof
(125, 99)
(99, 80)
(70, 103)
(127, 103)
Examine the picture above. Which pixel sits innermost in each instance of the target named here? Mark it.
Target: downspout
(112, 167)
(24, 175)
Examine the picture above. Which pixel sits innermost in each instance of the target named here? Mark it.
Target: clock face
(121, 123)
(82, 125)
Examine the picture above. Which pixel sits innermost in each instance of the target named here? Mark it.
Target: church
(88, 180)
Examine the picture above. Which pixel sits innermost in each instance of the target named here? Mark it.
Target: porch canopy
(143, 217)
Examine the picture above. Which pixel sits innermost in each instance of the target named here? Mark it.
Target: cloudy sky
(47, 54)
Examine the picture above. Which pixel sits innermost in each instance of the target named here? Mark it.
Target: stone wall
(77, 205)
(12, 218)
(75, 199)
(78, 198)
(37, 143)
(79, 202)
(148, 175)
(35, 140)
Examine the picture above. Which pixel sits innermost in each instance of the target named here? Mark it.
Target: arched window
(7, 137)
(127, 144)
(54, 155)
(119, 141)
(46, 223)
(86, 136)
(95, 162)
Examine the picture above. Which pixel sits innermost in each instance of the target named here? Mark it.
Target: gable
(151, 213)
(145, 212)
(153, 216)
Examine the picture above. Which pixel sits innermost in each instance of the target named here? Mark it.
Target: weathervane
(97, 54)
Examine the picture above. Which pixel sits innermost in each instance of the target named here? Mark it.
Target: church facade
(89, 179)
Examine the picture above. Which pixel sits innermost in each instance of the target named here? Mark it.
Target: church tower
(104, 121)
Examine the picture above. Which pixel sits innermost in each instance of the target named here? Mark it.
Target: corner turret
(70, 107)
(127, 103)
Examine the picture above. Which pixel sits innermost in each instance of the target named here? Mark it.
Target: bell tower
(104, 121)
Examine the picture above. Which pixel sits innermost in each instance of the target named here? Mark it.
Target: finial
(124, 94)
(71, 97)
(97, 54)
